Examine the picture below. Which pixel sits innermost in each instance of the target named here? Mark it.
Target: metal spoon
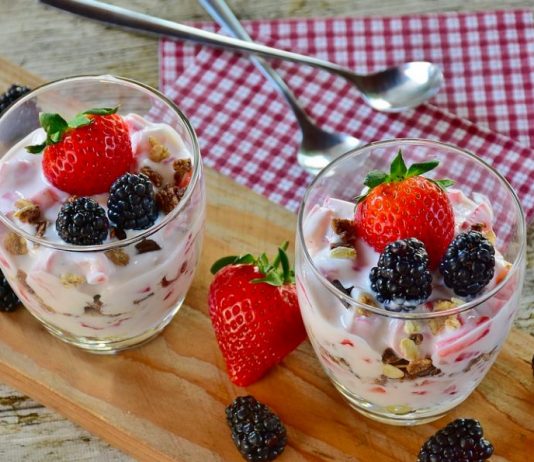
(318, 147)
(390, 90)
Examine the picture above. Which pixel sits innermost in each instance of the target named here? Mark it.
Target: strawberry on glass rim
(404, 204)
(86, 155)
(255, 313)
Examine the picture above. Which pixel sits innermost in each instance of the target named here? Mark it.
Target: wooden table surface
(52, 45)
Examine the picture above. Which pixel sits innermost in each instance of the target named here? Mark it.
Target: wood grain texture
(53, 44)
(165, 401)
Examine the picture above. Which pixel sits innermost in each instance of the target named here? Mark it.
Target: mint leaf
(79, 121)
(36, 148)
(374, 178)
(398, 168)
(423, 167)
(222, 262)
(445, 183)
(102, 110)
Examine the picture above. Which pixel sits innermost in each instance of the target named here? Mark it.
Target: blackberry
(11, 95)
(82, 222)
(8, 299)
(257, 432)
(468, 264)
(401, 279)
(460, 441)
(132, 203)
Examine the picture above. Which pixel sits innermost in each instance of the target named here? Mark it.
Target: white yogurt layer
(397, 365)
(86, 294)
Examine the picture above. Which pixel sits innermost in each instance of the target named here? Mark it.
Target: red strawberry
(86, 155)
(255, 314)
(403, 204)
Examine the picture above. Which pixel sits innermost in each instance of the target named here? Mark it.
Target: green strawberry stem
(398, 171)
(55, 126)
(276, 273)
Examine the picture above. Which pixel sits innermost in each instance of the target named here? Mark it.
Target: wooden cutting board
(165, 401)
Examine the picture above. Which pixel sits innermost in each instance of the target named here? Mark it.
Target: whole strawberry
(255, 314)
(83, 157)
(403, 204)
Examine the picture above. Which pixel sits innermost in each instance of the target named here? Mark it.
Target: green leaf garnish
(276, 273)
(56, 126)
(398, 171)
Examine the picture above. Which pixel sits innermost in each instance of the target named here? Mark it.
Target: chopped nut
(168, 198)
(343, 252)
(40, 228)
(181, 167)
(399, 409)
(412, 327)
(416, 338)
(118, 233)
(392, 372)
(27, 212)
(408, 349)
(422, 368)
(453, 323)
(442, 305)
(390, 357)
(346, 232)
(71, 280)
(486, 231)
(153, 176)
(367, 299)
(95, 307)
(158, 151)
(118, 256)
(147, 245)
(15, 244)
(436, 325)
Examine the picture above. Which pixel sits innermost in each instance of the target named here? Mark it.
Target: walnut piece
(27, 211)
(168, 198)
(153, 176)
(15, 244)
(346, 232)
(158, 152)
(118, 256)
(71, 280)
(181, 168)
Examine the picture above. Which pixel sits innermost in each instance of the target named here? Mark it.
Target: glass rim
(411, 315)
(195, 176)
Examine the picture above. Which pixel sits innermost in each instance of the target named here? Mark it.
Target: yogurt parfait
(102, 209)
(409, 268)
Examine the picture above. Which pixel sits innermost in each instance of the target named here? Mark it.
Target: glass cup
(120, 294)
(407, 368)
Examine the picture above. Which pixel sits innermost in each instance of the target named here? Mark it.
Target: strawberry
(255, 314)
(85, 156)
(404, 204)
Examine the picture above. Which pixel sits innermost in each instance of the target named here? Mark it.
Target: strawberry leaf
(285, 265)
(272, 278)
(398, 168)
(102, 111)
(444, 184)
(36, 148)
(423, 167)
(374, 178)
(79, 120)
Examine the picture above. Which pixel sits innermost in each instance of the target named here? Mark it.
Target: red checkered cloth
(247, 132)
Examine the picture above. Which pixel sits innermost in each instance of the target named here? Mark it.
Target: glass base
(111, 345)
(401, 417)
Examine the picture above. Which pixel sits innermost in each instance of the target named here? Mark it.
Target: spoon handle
(123, 17)
(223, 15)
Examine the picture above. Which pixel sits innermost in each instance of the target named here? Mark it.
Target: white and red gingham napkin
(247, 132)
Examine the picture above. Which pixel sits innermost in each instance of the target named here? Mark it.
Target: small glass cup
(83, 294)
(367, 351)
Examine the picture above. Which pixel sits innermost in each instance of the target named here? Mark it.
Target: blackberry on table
(468, 264)
(82, 222)
(401, 278)
(8, 299)
(257, 432)
(132, 203)
(13, 93)
(460, 441)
